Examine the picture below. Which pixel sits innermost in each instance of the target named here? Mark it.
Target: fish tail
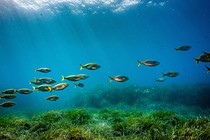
(163, 75)
(0, 92)
(176, 49)
(50, 88)
(35, 79)
(34, 87)
(81, 66)
(75, 85)
(110, 79)
(63, 78)
(196, 60)
(30, 82)
(208, 69)
(35, 70)
(139, 63)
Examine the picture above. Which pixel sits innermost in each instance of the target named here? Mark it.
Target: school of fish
(44, 84)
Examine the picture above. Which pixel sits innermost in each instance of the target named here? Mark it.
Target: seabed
(147, 114)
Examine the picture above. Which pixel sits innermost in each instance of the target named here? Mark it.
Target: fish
(162, 79)
(208, 69)
(170, 74)
(52, 98)
(79, 85)
(8, 104)
(183, 48)
(43, 88)
(60, 86)
(37, 82)
(9, 91)
(8, 96)
(118, 78)
(150, 63)
(90, 66)
(205, 57)
(45, 80)
(83, 76)
(71, 77)
(24, 91)
(43, 70)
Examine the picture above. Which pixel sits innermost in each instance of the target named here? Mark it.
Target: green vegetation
(178, 98)
(78, 116)
(111, 113)
(81, 124)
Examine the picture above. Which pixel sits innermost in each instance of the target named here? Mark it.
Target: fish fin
(110, 79)
(81, 66)
(63, 78)
(139, 63)
(50, 88)
(196, 60)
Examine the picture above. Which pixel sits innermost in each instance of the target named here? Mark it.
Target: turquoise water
(114, 34)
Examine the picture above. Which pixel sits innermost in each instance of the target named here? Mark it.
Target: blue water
(60, 38)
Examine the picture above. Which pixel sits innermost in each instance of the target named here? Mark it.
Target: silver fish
(43, 70)
(9, 91)
(71, 78)
(43, 88)
(24, 91)
(79, 85)
(118, 78)
(170, 74)
(8, 104)
(8, 96)
(162, 79)
(45, 80)
(205, 57)
(183, 48)
(60, 86)
(150, 63)
(90, 66)
(52, 98)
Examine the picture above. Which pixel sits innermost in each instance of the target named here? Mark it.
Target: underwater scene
(104, 70)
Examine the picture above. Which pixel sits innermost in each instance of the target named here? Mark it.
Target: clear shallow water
(63, 34)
